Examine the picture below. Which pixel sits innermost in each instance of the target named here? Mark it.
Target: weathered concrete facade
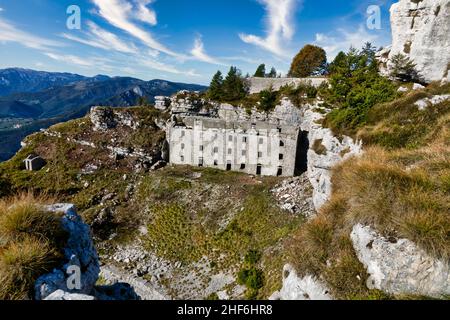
(260, 148)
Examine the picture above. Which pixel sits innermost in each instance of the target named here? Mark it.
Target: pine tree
(272, 73)
(143, 102)
(403, 68)
(215, 91)
(234, 87)
(261, 71)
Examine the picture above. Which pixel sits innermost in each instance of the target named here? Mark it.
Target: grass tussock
(31, 244)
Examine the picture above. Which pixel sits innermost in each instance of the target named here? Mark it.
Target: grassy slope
(187, 215)
(400, 185)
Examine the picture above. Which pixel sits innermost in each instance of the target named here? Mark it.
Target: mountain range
(31, 100)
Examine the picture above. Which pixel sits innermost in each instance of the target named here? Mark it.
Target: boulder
(102, 118)
(398, 266)
(297, 288)
(61, 295)
(417, 86)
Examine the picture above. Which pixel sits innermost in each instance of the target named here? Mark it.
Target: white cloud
(100, 38)
(80, 61)
(243, 59)
(198, 52)
(119, 14)
(145, 14)
(10, 33)
(1, 9)
(280, 26)
(343, 40)
(156, 65)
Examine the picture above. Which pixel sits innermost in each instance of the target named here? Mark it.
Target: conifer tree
(234, 86)
(215, 91)
(261, 71)
(272, 73)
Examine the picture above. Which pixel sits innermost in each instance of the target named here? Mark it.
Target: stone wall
(257, 85)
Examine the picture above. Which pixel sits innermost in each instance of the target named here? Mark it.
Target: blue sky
(179, 40)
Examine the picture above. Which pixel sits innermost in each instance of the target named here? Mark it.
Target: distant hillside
(14, 80)
(78, 97)
(64, 97)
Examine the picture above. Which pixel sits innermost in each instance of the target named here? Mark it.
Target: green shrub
(252, 278)
(404, 69)
(212, 297)
(252, 257)
(268, 100)
(355, 87)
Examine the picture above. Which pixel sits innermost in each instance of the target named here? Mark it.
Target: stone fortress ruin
(252, 147)
(225, 137)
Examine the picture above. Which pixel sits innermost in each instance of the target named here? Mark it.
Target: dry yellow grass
(400, 186)
(31, 242)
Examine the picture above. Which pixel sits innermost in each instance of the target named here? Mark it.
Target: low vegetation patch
(355, 88)
(319, 148)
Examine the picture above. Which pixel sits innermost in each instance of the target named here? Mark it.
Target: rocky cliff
(77, 278)
(421, 31)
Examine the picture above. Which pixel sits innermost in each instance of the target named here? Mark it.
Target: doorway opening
(301, 157)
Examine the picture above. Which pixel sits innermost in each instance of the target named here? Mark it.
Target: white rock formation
(320, 165)
(421, 31)
(417, 86)
(424, 103)
(296, 288)
(61, 295)
(400, 267)
(79, 252)
(104, 118)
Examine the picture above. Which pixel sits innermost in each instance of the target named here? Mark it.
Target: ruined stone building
(259, 147)
(34, 163)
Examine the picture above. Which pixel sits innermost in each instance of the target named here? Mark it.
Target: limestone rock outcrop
(296, 288)
(399, 266)
(334, 151)
(107, 118)
(60, 295)
(79, 253)
(421, 31)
